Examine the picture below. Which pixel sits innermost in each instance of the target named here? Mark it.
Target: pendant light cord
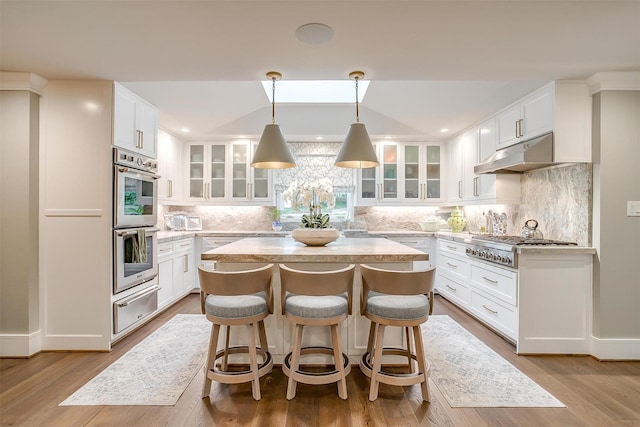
(273, 101)
(357, 109)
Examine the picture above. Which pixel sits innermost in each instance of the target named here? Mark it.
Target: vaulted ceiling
(432, 64)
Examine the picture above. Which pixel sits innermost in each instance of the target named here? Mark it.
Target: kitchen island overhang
(287, 250)
(251, 252)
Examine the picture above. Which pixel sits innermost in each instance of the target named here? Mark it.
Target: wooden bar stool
(316, 298)
(232, 298)
(395, 298)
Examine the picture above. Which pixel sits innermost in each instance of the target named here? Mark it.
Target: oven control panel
(134, 160)
(494, 255)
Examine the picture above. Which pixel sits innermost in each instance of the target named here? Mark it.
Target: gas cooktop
(517, 240)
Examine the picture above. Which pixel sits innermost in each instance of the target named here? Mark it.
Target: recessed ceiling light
(314, 33)
(443, 130)
(185, 130)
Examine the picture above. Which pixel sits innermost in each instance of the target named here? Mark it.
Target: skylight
(316, 91)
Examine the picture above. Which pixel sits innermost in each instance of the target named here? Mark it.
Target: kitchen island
(254, 252)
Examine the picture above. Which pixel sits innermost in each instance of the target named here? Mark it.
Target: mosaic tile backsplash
(559, 198)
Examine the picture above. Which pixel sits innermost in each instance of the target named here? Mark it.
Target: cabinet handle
(517, 125)
(206, 190)
(460, 189)
(495, 282)
(135, 297)
(489, 310)
(169, 188)
(452, 265)
(380, 195)
(186, 263)
(451, 289)
(453, 248)
(475, 186)
(423, 187)
(138, 138)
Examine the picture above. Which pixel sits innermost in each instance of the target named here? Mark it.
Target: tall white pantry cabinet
(75, 215)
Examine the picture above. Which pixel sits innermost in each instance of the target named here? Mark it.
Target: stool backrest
(395, 282)
(241, 282)
(316, 283)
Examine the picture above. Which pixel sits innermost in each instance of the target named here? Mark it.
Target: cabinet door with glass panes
(248, 184)
(221, 172)
(409, 173)
(207, 170)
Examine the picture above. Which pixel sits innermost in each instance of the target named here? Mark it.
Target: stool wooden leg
(211, 356)
(422, 363)
(225, 359)
(263, 339)
(409, 359)
(253, 361)
(337, 359)
(372, 334)
(295, 362)
(377, 362)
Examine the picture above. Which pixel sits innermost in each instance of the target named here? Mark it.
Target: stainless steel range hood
(535, 153)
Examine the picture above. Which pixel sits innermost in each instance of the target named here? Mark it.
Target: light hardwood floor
(596, 393)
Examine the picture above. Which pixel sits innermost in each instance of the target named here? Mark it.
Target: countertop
(167, 236)
(343, 250)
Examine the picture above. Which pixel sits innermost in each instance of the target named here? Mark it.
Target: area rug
(154, 372)
(470, 374)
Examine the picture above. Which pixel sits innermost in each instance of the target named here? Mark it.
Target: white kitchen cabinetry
(465, 152)
(424, 244)
(452, 272)
(409, 173)
(561, 107)
(220, 172)
(169, 167)
(176, 270)
(135, 123)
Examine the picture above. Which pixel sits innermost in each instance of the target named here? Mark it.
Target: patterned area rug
(470, 374)
(154, 372)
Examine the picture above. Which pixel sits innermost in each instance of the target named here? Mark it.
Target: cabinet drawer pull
(460, 189)
(453, 248)
(475, 187)
(452, 265)
(186, 263)
(495, 282)
(489, 310)
(451, 289)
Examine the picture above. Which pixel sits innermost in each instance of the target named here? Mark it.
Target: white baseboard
(20, 345)
(615, 348)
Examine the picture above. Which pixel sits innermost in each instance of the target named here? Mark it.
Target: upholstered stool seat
(316, 298)
(232, 298)
(396, 298)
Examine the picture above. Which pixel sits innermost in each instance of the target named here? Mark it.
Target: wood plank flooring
(596, 393)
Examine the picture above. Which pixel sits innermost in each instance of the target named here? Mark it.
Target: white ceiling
(432, 64)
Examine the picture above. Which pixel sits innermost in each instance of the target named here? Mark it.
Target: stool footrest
(401, 379)
(308, 377)
(235, 377)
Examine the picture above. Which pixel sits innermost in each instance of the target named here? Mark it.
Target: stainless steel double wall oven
(135, 264)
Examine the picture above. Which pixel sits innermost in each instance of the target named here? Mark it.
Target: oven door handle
(138, 295)
(141, 172)
(131, 232)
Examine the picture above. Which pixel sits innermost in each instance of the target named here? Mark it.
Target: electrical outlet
(633, 208)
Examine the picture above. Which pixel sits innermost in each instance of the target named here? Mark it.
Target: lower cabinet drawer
(499, 283)
(454, 291)
(454, 266)
(500, 316)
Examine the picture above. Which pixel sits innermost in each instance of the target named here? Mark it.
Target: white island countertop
(343, 250)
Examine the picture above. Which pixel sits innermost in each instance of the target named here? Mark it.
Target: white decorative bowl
(315, 236)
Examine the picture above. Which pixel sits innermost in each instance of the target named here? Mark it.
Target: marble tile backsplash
(559, 198)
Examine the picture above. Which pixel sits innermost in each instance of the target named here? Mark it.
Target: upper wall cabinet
(135, 123)
(464, 186)
(409, 173)
(220, 172)
(561, 107)
(169, 167)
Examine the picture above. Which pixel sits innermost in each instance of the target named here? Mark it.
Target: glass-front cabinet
(222, 172)
(409, 173)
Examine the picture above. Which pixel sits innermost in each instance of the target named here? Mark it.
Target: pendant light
(357, 150)
(272, 151)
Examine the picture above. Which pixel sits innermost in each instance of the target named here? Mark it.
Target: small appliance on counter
(175, 221)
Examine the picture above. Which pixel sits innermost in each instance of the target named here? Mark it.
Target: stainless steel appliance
(502, 250)
(127, 311)
(129, 268)
(135, 191)
(528, 155)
